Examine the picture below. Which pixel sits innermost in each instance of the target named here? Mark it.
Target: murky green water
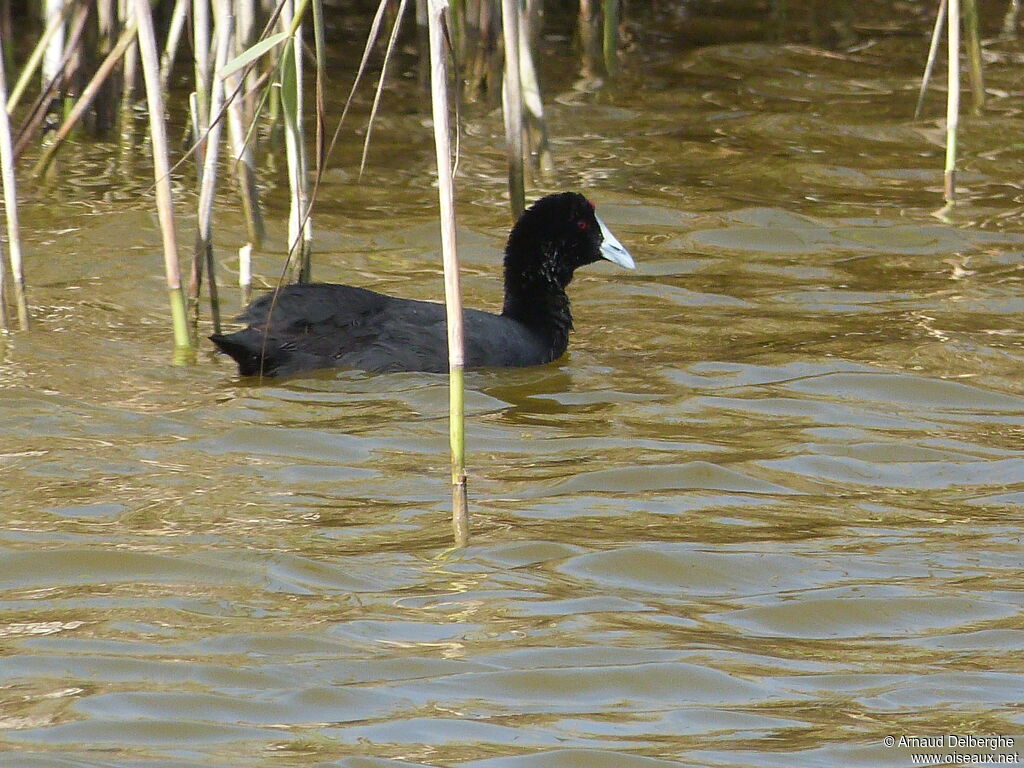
(765, 512)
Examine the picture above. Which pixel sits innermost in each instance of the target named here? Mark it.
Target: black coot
(321, 325)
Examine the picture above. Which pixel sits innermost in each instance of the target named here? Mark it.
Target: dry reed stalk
(174, 33)
(532, 101)
(452, 290)
(300, 225)
(88, 94)
(11, 203)
(952, 99)
(37, 112)
(161, 173)
(933, 50)
(54, 24)
(208, 180)
(380, 84)
(610, 41)
(512, 101)
(974, 67)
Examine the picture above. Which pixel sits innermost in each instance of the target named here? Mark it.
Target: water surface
(766, 511)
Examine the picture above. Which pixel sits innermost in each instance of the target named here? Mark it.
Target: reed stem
(512, 100)
(162, 174)
(952, 99)
(11, 203)
(452, 289)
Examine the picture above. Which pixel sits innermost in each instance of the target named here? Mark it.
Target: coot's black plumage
(321, 325)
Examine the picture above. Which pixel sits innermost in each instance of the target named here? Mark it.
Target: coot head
(554, 237)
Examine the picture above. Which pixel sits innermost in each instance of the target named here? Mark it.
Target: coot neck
(538, 301)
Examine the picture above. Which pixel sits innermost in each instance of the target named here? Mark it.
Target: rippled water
(765, 512)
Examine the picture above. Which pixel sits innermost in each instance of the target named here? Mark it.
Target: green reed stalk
(512, 101)
(11, 203)
(161, 173)
(452, 290)
(952, 99)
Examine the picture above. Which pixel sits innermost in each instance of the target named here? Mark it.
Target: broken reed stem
(952, 99)
(452, 290)
(512, 101)
(11, 203)
(161, 173)
(174, 33)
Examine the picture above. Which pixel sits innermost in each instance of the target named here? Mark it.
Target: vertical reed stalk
(952, 99)
(299, 222)
(531, 94)
(452, 291)
(11, 203)
(245, 272)
(201, 56)
(512, 101)
(611, 36)
(162, 173)
(208, 180)
(244, 165)
(974, 67)
(54, 10)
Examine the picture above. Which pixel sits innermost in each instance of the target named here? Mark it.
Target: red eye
(582, 224)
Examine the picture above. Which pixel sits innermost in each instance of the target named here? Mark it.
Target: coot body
(323, 325)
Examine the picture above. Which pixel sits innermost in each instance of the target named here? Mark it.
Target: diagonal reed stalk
(452, 290)
(162, 175)
(88, 94)
(11, 203)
